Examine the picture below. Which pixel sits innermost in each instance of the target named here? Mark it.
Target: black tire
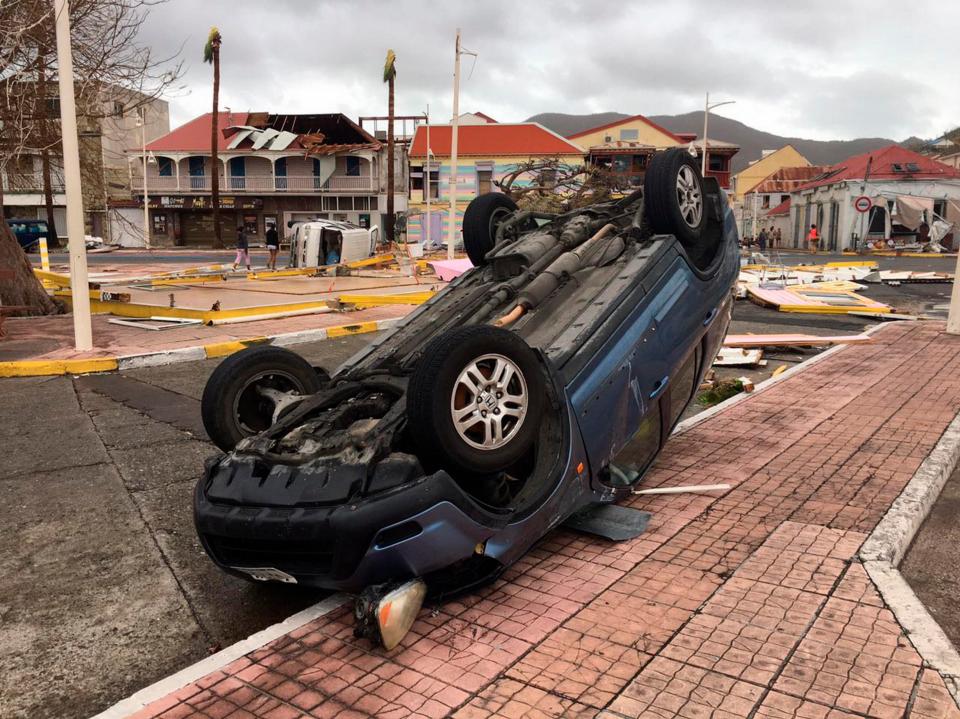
(665, 189)
(481, 219)
(232, 409)
(435, 391)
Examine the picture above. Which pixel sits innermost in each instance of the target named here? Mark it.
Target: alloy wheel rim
(489, 402)
(689, 196)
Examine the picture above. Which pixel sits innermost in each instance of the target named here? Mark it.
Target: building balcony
(256, 184)
(723, 177)
(30, 182)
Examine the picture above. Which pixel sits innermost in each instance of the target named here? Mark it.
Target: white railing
(30, 182)
(258, 184)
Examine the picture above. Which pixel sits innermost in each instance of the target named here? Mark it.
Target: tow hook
(385, 612)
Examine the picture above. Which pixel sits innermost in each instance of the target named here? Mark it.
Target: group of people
(771, 237)
(243, 247)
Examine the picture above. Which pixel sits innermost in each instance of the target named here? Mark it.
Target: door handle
(710, 315)
(658, 387)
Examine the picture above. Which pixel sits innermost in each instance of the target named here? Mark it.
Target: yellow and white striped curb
(41, 368)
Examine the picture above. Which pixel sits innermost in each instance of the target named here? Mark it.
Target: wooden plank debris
(737, 357)
(682, 490)
(792, 340)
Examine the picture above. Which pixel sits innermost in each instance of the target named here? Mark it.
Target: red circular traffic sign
(862, 203)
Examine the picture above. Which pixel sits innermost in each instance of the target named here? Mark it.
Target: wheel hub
(489, 402)
(689, 196)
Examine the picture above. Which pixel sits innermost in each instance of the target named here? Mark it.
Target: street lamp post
(707, 107)
(142, 123)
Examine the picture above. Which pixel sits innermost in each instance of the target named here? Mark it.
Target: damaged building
(912, 198)
(273, 169)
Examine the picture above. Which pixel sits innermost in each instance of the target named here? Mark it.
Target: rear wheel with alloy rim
(673, 196)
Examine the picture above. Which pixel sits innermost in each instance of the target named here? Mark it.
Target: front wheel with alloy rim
(249, 390)
(673, 196)
(475, 398)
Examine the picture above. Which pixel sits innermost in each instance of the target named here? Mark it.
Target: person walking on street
(273, 246)
(813, 237)
(776, 238)
(243, 249)
(763, 239)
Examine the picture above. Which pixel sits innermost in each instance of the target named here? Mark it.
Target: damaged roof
(782, 209)
(892, 162)
(316, 134)
(788, 179)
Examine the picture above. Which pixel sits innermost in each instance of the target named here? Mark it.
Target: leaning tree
(110, 67)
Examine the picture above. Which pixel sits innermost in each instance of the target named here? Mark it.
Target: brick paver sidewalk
(748, 604)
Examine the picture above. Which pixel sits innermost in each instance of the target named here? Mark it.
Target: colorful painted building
(486, 152)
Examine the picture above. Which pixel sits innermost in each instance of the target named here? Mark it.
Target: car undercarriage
(512, 399)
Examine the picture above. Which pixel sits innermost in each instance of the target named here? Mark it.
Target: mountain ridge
(752, 141)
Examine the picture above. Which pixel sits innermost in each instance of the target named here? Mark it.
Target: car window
(644, 445)
(681, 388)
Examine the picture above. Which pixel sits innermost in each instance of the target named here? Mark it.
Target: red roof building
(628, 121)
(892, 162)
(897, 189)
(271, 169)
(494, 139)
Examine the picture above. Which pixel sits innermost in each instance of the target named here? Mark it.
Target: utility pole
(426, 178)
(703, 153)
(707, 107)
(755, 195)
(452, 229)
(142, 121)
(79, 285)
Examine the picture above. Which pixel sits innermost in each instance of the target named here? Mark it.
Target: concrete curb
(893, 534)
(43, 368)
(884, 549)
(174, 682)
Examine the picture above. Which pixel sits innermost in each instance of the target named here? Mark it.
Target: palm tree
(389, 74)
(211, 54)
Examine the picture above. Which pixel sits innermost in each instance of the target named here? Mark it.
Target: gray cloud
(821, 69)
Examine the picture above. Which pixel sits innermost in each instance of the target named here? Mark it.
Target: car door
(617, 395)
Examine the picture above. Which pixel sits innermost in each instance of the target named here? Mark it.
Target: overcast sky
(822, 69)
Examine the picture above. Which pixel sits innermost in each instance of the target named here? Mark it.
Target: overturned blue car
(542, 382)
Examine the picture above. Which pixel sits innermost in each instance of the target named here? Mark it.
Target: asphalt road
(105, 587)
(931, 567)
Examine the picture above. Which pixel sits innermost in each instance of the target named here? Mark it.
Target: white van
(310, 242)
